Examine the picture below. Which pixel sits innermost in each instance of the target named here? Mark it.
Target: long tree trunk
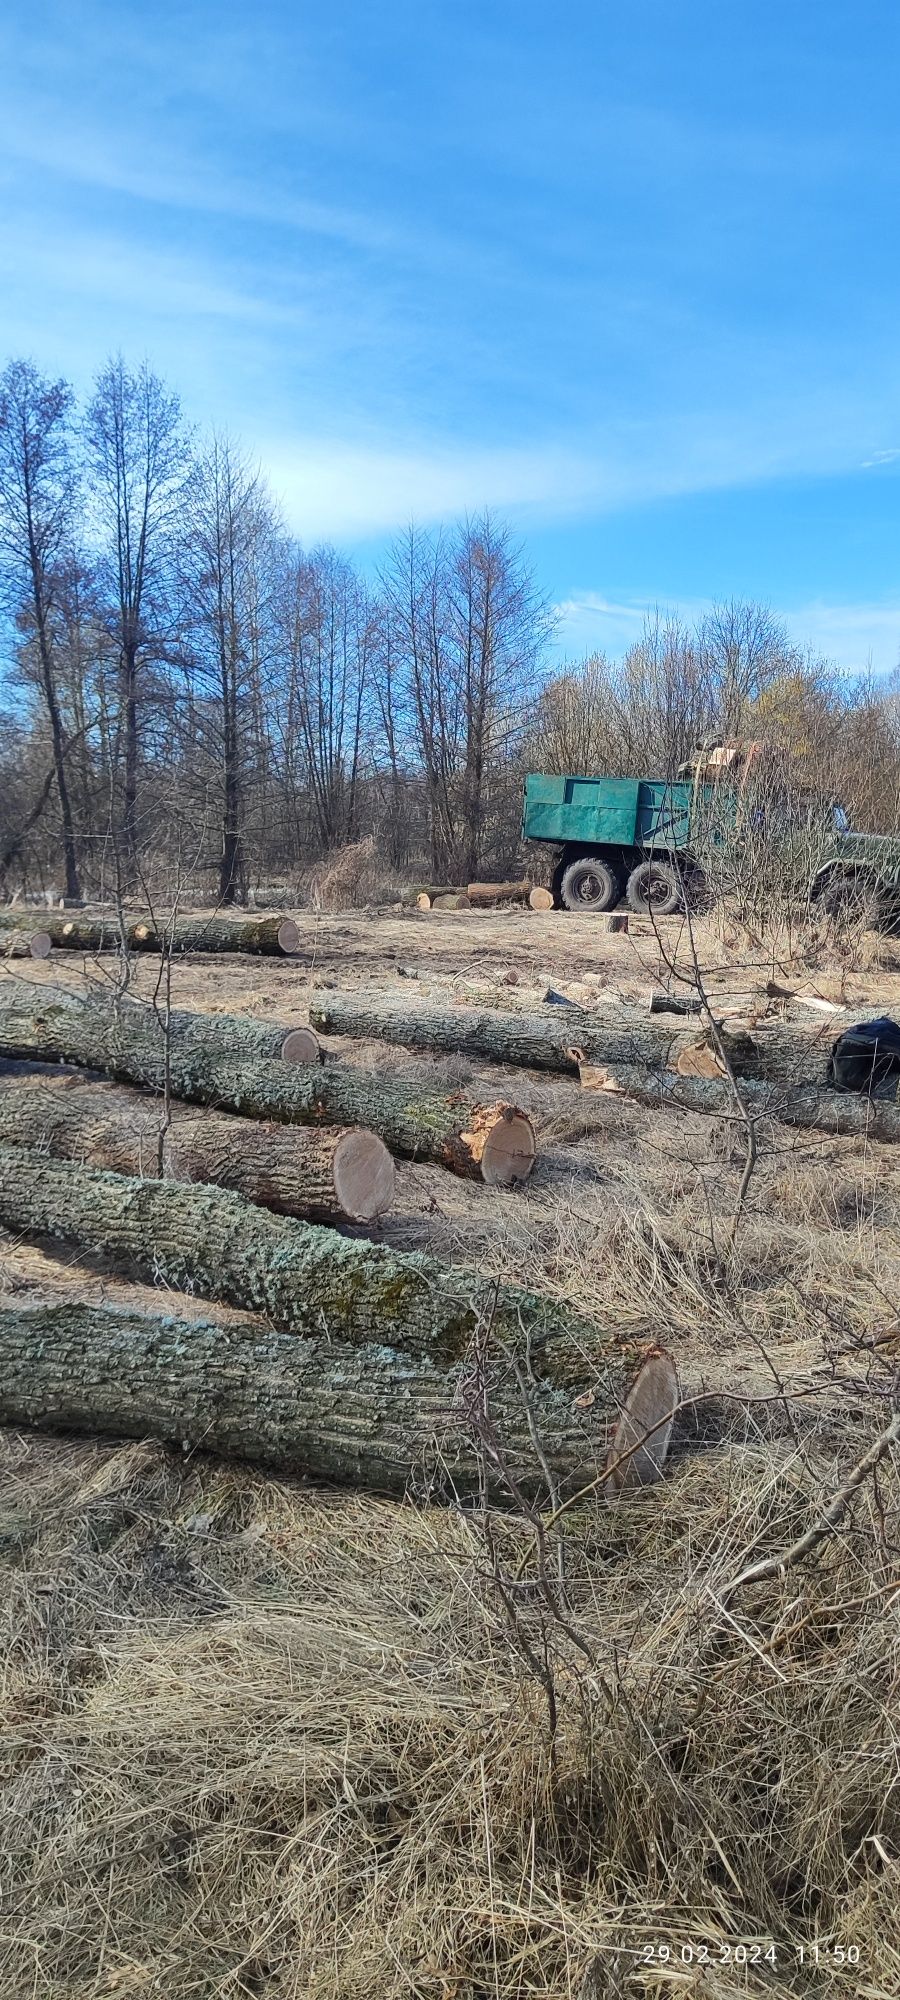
(360, 1417)
(305, 1279)
(99, 1027)
(322, 1175)
(490, 1141)
(536, 1041)
(268, 937)
(810, 1106)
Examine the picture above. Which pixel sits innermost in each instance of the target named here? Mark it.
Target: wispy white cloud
(852, 636)
(332, 489)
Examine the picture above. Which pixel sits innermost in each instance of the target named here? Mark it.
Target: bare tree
(325, 652)
(137, 458)
(37, 508)
(230, 579)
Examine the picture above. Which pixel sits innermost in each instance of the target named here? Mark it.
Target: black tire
(655, 889)
(589, 884)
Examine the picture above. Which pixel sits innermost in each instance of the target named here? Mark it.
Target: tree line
(188, 691)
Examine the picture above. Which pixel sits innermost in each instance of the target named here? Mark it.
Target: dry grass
(262, 1741)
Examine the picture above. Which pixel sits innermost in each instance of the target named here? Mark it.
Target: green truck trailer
(639, 838)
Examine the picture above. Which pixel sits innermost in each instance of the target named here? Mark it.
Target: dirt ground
(258, 1739)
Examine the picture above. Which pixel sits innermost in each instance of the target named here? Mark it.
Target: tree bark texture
(535, 1041)
(494, 1142)
(324, 1175)
(368, 1417)
(306, 1280)
(49, 1017)
(809, 1106)
(268, 937)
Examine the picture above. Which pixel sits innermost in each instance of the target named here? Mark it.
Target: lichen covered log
(270, 937)
(306, 1280)
(368, 1417)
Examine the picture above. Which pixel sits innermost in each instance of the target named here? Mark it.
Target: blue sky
(628, 274)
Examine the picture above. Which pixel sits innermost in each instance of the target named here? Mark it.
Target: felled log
(810, 1106)
(373, 1418)
(25, 944)
(100, 1028)
(455, 899)
(536, 1041)
(484, 894)
(325, 1175)
(307, 1280)
(481, 1140)
(783, 1056)
(271, 937)
(540, 899)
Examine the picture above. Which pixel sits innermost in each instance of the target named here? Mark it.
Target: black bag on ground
(866, 1055)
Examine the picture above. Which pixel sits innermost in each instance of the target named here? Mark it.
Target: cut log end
(423, 902)
(510, 1150)
(289, 937)
(301, 1045)
(41, 945)
(540, 899)
(644, 1429)
(364, 1175)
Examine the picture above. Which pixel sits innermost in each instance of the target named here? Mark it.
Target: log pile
(208, 1059)
(361, 1364)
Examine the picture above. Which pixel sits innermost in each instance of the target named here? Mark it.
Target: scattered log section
(455, 899)
(324, 1175)
(810, 1106)
(270, 937)
(485, 894)
(490, 1141)
(306, 1280)
(431, 889)
(371, 1418)
(25, 944)
(541, 899)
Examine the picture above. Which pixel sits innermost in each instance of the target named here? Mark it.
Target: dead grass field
(259, 1739)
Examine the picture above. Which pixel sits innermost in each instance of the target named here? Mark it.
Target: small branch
(823, 1525)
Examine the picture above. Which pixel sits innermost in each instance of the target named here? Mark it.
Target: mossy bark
(362, 1417)
(306, 1280)
(128, 1041)
(289, 1169)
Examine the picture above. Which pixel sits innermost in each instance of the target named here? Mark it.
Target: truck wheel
(655, 889)
(589, 884)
